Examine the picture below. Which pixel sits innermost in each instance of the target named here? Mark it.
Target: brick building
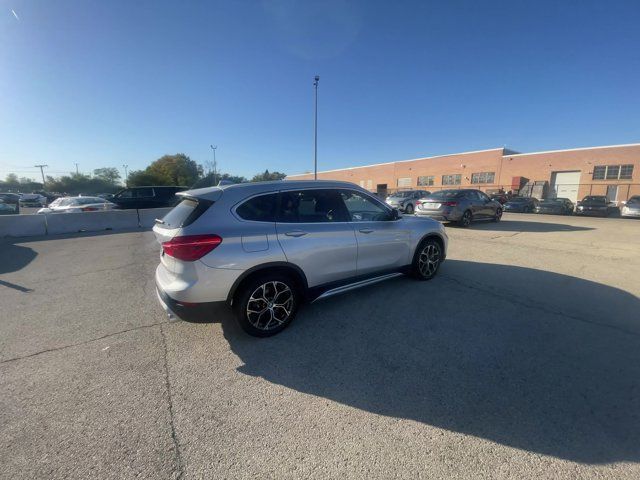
(611, 170)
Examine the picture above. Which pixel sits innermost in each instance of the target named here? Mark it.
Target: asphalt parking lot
(520, 360)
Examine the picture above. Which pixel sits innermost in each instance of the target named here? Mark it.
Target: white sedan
(78, 204)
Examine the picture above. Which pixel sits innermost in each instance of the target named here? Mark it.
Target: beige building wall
(539, 166)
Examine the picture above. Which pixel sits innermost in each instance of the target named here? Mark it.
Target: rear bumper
(194, 312)
(630, 213)
(195, 282)
(441, 216)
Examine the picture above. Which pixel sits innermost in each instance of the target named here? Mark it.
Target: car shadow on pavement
(14, 257)
(530, 359)
(507, 225)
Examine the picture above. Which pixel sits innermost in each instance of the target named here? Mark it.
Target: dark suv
(147, 197)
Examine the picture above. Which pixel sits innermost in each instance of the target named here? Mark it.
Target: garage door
(565, 184)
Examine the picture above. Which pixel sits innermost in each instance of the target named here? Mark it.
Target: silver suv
(264, 248)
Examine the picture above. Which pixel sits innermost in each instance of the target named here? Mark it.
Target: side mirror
(395, 214)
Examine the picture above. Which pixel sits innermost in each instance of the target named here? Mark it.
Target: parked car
(9, 204)
(461, 206)
(500, 198)
(405, 200)
(521, 205)
(555, 206)
(631, 208)
(32, 200)
(264, 248)
(597, 205)
(147, 197)
(77, 204)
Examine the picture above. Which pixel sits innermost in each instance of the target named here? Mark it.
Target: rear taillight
(449, 204)
(89, 209)
(192, 247)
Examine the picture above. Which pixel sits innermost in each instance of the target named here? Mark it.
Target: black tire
(427, 259)
(467, 218)
(409, 209)
(268, 317)
(498, 215)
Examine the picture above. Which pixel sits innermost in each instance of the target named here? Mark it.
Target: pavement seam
(167, 381)
(82, 343)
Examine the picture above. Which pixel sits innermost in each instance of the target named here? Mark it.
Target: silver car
(405, 200)
(463, 206)
(265, 248)
(631, 208)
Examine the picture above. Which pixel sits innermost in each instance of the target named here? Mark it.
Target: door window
(363, 209)
(311, 206)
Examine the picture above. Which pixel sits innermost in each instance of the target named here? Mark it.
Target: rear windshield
(185, 213)
(634, 200)
(595, 199)
(441, 195)
(518, 200)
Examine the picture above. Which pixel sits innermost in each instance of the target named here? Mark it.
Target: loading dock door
(565, 184)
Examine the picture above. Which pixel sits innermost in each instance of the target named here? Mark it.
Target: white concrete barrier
(58, 223)
(22, 225)
(148, 216)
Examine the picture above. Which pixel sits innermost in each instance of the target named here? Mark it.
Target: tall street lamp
(315, 131)
(126, 175)
(215, 165)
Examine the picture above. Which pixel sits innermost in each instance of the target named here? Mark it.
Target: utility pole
(126, 175)
(41, 167)
(215, 165)
(77, 173)
(315, 131)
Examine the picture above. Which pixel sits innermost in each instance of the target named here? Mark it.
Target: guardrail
(59, 223)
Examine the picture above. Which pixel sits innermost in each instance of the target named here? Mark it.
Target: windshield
(593, 199)
(401, 194)
(551, 201)
(519, 200)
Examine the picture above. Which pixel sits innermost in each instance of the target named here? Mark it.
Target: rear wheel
(466, 219)
(266, 304)
(427, 259)
(409, 209)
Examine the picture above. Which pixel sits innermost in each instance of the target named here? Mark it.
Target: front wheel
(498, 215)
(266, 304)
(466, 219)
(427, 259)
(409, 209)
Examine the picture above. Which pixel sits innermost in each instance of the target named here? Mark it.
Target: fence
(59, 223)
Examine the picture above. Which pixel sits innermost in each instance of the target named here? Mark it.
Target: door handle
(295, 233)
(366, 230)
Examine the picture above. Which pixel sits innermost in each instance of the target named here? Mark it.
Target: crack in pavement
(174, 436)
(523, 303)
(8, 360)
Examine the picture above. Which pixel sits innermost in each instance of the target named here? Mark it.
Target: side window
(310, 206)
(259, 209)
(125, 194)
(363, 209)
(144, 192)
(484, 197)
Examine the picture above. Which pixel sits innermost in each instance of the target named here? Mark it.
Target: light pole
(41, 167)
(315, 131)
(77, 173)
(126, 175)
(215, 164)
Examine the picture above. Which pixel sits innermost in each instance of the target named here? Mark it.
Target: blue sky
(104, 83)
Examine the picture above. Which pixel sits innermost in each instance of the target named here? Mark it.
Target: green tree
(176, 169)
(210, 180)
(267, 175)
(108, 174)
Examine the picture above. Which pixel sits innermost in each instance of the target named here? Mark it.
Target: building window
(451, 179)
(404, 182)
(612, 172)
(369, 184)
(626, 172)
(483, 177)
(426, 181)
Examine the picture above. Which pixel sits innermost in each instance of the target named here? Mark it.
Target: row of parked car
(128, 198)
(466, 205)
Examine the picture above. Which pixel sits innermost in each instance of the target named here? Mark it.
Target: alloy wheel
(270, 305)
(428, 260)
